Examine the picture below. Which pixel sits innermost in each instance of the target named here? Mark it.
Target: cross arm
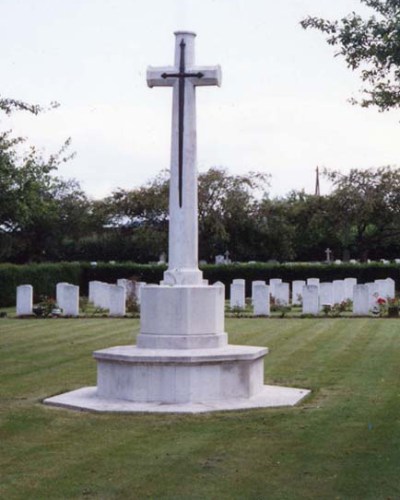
(211, 75)
(155, 79)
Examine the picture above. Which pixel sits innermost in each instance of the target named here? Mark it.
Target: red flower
(381, 301)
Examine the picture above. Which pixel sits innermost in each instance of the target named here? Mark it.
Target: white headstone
(272, 283)
(391, 288)
(59, 293)
(24, 300)
(326, 294)
(338, 291)
(349, 284)
(219, 259)
(139, 286)
(94, 287)
(373, 294)
(386, 288)
(129, 286)
(69, 300)
(313, 281)
(238, 294)
(117, 300)
(253, 285)
(311, 299)
(361, 303)
(297, 291)
(261, 302)
(282, 293)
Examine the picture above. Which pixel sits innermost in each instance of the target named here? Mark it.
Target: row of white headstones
(312, 295)
(101, 295)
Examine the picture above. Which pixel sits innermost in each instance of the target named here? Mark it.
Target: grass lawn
(342, 442)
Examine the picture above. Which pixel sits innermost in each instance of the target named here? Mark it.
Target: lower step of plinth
(131, 379)
(87, 399)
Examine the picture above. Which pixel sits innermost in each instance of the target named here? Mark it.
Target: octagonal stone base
(131, 379)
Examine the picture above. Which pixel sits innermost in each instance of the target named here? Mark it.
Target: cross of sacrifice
(183, 77)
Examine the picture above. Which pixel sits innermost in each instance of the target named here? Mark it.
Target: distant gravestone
(361, 303)
(24, 300)
(313, 281)
(139, 286)
(311, 299)
(94, 287)
(238, 294)
(129, 286)
(117, 300)
(338, 291)
(162, 259)
(326, 294)
(59, 293)
(261, 303)
(391, 288)
(382, 288)
(297, 291)
(373, 294)
(282, 294)
(328, 253)
(272, 283)
(219, 259)
(349, 284)
(253, 285)
(70, 300)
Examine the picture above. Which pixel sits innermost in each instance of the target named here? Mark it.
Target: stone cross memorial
(182, 361)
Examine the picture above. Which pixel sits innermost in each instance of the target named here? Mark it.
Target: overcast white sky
(282, 107)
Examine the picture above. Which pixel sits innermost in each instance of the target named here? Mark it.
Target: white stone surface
(253, 285)
(391, 288)
(326, 294)
(24, 300)
(272, 283)
(117, 300)
(373, 294)
(129, 286)
(349, 284)
(94, 292)
(179, 376)
(59, 293)
(311, 299)
(297, 291)
(261, 299)
(238, 294)
(183, 222)
(361, 302)
(313, 281)
(282, 292)
(338, 291)
(139, 287)
(174, 317)
(88, 399)
(386, 288)
(69, 300)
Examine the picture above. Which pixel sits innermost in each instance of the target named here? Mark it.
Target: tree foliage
(370, 45)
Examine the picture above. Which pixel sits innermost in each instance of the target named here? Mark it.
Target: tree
(38, 210)
(371, 45)
(227, 213)
(365, 210)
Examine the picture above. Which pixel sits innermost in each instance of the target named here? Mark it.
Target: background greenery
(44, 277)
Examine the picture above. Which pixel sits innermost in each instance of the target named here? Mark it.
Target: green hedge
(44, 277)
